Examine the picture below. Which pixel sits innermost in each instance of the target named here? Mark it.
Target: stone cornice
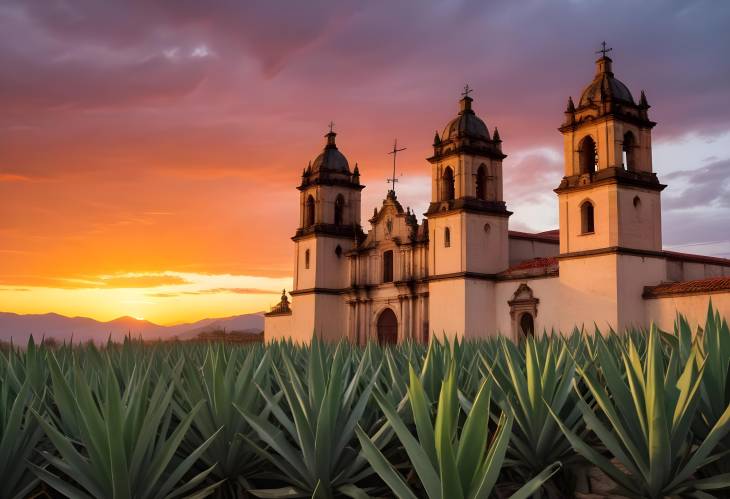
(468, 205)
(608, 176)
(612, 250)
(634, 120)
(328, 230)
(330, 182)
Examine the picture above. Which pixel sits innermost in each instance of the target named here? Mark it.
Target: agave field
(639, 414)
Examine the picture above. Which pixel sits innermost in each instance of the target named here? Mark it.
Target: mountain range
(19, 327)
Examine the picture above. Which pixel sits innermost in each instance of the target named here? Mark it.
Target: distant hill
(19, 327)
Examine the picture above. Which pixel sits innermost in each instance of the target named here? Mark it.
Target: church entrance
(387, 328)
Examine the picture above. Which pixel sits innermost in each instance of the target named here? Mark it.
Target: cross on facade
(467, 90)
(394, 152)
(604, 50)
(331, 125)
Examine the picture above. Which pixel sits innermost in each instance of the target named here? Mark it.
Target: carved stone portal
(522, 311)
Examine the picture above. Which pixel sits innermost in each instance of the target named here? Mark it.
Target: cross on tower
(331, 125)
(467, 90)
(604, 50)
(394, 152)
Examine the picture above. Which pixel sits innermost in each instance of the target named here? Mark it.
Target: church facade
(462, 272)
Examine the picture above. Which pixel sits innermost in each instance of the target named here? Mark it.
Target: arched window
(527, 324)
(339, 209)
(447, 237)
(309, 212)
(588, 156)
(629, 151)
(482, 182)
(306, 259)
(447, 181)
(388, 266)
(586, 218)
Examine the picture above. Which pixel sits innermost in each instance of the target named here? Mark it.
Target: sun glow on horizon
(164, 298)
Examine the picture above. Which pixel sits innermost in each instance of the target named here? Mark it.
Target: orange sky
(148, 157)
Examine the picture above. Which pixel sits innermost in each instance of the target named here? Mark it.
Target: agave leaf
(492, 465)
(419, 459)
(473, 439)
(382, 467)
(422, 416)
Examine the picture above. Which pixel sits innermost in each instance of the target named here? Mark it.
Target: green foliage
(644, 416)
(449, 463)
(451, 419)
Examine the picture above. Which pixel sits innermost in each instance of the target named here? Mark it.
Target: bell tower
(329, 226)
(609, 204)
(467, 221)
(609, 196)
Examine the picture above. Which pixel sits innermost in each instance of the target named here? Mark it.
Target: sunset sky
(149, 150)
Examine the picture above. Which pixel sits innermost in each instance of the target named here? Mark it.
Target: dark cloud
(524, 58)
(701, 188)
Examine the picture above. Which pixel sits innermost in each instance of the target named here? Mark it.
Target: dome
(331, 159)
(466, 124)
(605, 84)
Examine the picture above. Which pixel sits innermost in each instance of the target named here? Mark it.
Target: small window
(306, 259)
(637, 202)
(339, 209)
(586, 218)
(338, 251)
(309, 212)
(447, 237)
(388, 266)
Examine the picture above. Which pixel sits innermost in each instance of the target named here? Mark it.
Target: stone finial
(571, 107)
(495, 136)
(642, 101)
(436, 138)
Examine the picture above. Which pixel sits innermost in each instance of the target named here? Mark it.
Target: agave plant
(449, 464)
(648, 411)
(526, 385)
(114, 444)
(19, 438)
(715, 387)
(310, 441)
(226, 380)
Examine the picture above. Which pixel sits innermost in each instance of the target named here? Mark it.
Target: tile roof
(696, 286)
(534, 263)
(534, 267)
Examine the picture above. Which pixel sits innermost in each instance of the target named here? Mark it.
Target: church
(462, 272)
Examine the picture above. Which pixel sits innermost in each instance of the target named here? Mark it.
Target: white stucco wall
(277, 327)
(663, 311)
(633, 273)
(447, 314)
(526, 249)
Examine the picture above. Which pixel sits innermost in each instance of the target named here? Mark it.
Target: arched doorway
(387, 328)
(527, 324)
